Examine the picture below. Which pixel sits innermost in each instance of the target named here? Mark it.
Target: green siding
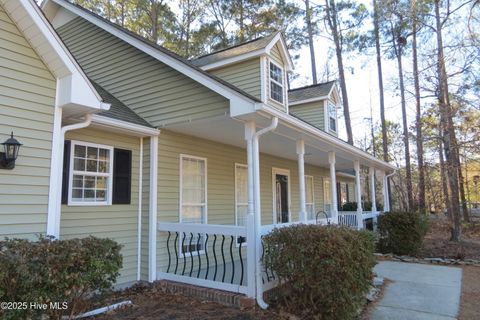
(244, 75)
(27, 100)
(276, 55)
(313, 113)
(117, 222)
(221, 161)
(155, 91)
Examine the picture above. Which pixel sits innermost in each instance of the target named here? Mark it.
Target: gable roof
(243, 51)
(118, 110)
(311, 93)
(233, 51)
(160, 53)
(75, 94)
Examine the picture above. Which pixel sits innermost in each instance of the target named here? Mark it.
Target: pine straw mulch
(151, 302)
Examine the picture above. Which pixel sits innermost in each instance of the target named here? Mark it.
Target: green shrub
(349, 206)
(366, 206)
(48, 271)
(325, 271)
(401, 232)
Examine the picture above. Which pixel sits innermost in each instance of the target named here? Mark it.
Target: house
(185, 163)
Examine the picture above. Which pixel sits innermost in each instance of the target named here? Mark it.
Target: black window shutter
(66, 170)
(122, 176)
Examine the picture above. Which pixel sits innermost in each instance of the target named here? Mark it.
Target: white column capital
(250, 129)
(331, 157)
(356, 165)
(300, 146)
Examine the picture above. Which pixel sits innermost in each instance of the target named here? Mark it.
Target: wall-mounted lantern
(10, 153)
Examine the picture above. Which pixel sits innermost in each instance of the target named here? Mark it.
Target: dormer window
(276, 82)
(332, 117)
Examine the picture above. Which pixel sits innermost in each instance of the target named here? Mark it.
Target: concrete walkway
(418, 291)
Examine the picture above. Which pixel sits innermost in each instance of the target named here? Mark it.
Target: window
(276, 83)
(193, 199)
(343, 193)
(327, 196)
(241, 197)
(332, 117)
(309, 198)
(90, 178)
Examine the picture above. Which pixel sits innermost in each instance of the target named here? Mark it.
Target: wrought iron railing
(205, 254)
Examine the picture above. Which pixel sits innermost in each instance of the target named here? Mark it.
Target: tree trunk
(308, 20)
(463, 198)
(449, 143)
(443, 175)
(331, 14)
(408, 169)
(380, 81)
(421, 170)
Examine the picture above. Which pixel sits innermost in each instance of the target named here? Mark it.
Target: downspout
(140, 193)
(258, 221)
(56, 223)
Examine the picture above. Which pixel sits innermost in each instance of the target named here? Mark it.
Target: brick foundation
(226, 298)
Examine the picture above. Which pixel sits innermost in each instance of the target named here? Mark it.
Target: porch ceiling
(281, 142)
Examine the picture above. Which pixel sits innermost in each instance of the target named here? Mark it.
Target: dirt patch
(437, 241)
(151, 302)
(469, 306)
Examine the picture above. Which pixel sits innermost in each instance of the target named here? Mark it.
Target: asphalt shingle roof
(118, 110)
(242, 48)
(310, 92)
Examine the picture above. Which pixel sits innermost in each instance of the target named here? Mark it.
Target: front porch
(217, 200)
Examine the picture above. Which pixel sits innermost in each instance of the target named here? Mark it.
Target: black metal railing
(216, 257)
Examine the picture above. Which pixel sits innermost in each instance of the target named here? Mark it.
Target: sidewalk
(418, 291)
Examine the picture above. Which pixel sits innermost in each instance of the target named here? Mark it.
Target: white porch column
(358, 192)
(386, 198)
(333, 186)
(249, 137)
(301, 179)
(371, 172)
(152, 214)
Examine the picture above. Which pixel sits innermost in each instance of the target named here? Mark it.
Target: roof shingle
(242, 48)
(310, 92)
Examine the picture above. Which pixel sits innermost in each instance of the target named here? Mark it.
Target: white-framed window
(327, 196)
(241, 197)
(276, 82)
(332, 117)
(309, 198)
(193, 200)
(91, 174)
(343, 193)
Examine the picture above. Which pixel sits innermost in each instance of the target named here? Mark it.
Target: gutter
(259, 287)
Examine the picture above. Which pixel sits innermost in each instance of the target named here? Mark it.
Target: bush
(367, 206)
(49, 271)
(401, 232)
(325, 271)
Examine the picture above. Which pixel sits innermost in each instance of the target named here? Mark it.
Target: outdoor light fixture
(7, 158)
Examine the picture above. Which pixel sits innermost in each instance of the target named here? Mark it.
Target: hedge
(325, 271)
(401, 233)
(48, 271)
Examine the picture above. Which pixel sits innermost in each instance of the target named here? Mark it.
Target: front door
(281, 197)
